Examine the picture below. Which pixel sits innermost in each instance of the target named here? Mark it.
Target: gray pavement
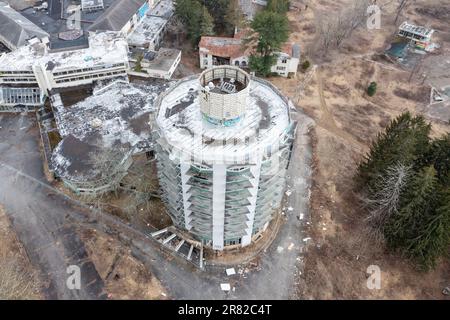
(39, 219)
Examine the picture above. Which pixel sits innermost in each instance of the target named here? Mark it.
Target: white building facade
(33, 65)
(216, 51)
(223, 146)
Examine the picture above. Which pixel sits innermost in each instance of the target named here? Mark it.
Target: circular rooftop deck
(182, 124)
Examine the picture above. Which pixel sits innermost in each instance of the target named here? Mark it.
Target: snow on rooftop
(104, 48)
(147, 31)
(183, 128)
(164, 9)
(116, 116)
(114, 112)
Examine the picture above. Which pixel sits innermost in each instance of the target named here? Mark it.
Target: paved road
(41, 220)
(44, 227)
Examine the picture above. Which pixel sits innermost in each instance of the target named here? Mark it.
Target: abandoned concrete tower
(223, 144)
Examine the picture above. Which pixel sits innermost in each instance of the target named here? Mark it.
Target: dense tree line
(271, 31)
(269, 28)
(406, 182)
(208, 17)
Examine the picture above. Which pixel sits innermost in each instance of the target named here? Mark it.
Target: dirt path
(327, 121)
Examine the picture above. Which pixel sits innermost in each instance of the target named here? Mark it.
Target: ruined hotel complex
(222, 140)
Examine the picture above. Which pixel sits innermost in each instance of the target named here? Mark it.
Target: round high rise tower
(223, 144)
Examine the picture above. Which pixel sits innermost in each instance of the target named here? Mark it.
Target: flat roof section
(147, 31)
(105, 48)
(163, 59)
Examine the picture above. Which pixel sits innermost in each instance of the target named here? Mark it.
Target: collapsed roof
(115, 117)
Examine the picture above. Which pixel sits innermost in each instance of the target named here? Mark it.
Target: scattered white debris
(163, 294)
(302, 216)
(230, 271)
(291, 246)
(306, 239)
(225, 286)
(288, 192)
(324, 229)
(280, 249)
(290, 209)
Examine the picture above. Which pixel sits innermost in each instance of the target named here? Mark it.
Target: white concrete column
(219, 189)
(256, 172)
(184, 168)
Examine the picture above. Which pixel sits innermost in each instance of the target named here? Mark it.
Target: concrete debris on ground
(280, 249)
(225, 286)
(306, 239)
(291, 246)
(230, 272)
(446, 291)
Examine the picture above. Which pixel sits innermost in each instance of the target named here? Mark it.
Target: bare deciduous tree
(385, 201)
(334, 29)
(106, 160)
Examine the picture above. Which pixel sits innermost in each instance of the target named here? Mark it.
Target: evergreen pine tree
(279, 6)
(439, 155)
(404, 229)
(218, 10)
(190, 14)
(234, 16)
(271, 30)
(433, 234)
(404, 141)
(206, 24)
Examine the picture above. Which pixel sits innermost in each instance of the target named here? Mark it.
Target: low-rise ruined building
(419, 36)
(34, 66)
(214, 51)
(100, 134)
(159, 64)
